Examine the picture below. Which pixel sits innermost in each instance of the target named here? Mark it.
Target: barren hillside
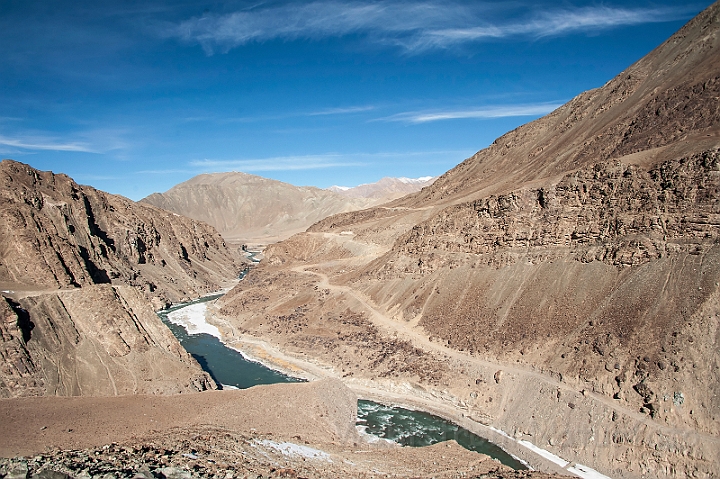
(250, 209)
(81, 273)
(561, 285)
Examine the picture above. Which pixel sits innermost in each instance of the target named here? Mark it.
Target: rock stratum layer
(562, 285)
(96, 341)
(56, 234)
(82, 271)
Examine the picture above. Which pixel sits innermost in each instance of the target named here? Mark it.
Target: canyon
(559, 289)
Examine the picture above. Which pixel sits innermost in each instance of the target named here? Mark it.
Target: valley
(558, 293)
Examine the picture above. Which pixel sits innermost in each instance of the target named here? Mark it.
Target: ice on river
(192, 318)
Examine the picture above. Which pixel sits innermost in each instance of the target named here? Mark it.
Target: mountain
(56, 234)
(562, 285)
(81, 272)
(385, 189)
(250, 209)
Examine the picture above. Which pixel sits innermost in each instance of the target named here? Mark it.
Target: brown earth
(233, 433)
(385, 189)
(95, 341)
(561, 285)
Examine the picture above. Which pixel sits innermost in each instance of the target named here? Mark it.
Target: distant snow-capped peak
(422, 179)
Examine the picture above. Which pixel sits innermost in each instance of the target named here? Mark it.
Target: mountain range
(250, 209)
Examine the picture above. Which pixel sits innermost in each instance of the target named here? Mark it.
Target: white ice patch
(579, 470)
(291, 449)
(546, 454)
(192, 318)
(422, 179)
(371, 438)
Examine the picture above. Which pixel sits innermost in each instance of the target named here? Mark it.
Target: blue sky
(135, 97)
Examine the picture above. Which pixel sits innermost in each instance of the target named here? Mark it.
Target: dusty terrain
(561, 285)
(299, 430)
(385, 189)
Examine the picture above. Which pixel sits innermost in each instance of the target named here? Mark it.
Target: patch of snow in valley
(579, 470)
(291, 449)
(192, 318)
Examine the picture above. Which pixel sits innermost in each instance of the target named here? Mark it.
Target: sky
(135, 97)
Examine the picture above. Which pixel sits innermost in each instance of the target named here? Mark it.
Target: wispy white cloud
(413, 26)
(42, 143)
(330, 160)
(348, 110)
(99, 140)
(487, 112)
(341, 111)
(555, 23)
(284, 163)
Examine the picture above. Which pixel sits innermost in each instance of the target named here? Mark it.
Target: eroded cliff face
(95, 341)
(55, 233)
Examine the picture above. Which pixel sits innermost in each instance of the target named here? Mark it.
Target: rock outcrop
(578, 254)
(95, 341)
(55, 234)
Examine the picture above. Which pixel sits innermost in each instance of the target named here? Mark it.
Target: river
(230, 369)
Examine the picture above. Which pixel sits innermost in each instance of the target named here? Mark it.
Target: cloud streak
(476, 113)
(414, 27)
(315, 162)
(39, 143)
(284, 163)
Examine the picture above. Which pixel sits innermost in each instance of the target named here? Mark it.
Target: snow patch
(546, 454)
(586, 472)
(192, 318)
(579, 470)
(291, 449)
(371, 438)
(422, 179)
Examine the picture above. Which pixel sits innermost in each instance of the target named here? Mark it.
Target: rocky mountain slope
(250, 209)
(81, 272)
(96, 341)
(385, 189)
(55, 234)
(561, 285)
